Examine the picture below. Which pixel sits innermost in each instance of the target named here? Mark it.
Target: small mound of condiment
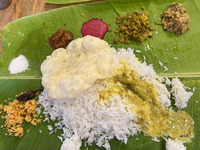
(134, 28)
(175, 19)
(60, 39)
(94, 27)
(18, 65)
(17, 113)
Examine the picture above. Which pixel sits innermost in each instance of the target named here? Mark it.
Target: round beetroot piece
(94, 27)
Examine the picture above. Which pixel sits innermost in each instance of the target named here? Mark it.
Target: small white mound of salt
(174, 145)
(18, 64)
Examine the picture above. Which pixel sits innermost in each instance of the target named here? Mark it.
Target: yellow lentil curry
(142, 99)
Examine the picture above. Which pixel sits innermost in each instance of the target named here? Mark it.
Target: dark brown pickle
(28, 95)
(61, 38)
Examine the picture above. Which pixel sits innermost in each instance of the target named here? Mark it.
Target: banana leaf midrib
(170, 75)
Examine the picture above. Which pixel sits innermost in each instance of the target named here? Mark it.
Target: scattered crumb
(167, 81)
(155, 139)
(50, 127)
(83, 15)
(6, 134)
(38, 120)
(142, 8)
(175, 57)
(158, 22)
(60, 138)
(1, 106)
(35, 115)
(165, 68)
(40, 116)
(138, 51)
(51, 132)
(33, 122)
(6, 101)
(17, 112)
(160, 63)
(28, 118)
(28, 130)
(144, 58)
(40, 131)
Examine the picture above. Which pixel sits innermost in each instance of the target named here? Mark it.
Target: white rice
(155, 139)
(138, 51)
(167, 81)
(174, 145)
(175, 58)
(180, 96)
(83, 118)
(193, 89)
(50, 127)
(160, 63)
(165, 68)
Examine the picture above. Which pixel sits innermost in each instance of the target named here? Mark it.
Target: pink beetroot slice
(94, 27)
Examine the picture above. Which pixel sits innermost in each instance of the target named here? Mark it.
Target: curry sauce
(141, 98)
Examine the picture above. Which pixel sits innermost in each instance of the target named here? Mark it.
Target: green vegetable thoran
(135, 27)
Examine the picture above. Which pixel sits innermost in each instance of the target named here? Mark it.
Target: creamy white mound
(68, 72)
(18, 65)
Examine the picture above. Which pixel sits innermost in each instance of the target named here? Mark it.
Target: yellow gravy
(142, 99)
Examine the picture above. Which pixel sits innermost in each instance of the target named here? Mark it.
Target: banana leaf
(65, 1)
(29, 36)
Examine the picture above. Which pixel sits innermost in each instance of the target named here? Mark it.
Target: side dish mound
(134, 26)
(98, 93)
(18, 112)
(175, 19)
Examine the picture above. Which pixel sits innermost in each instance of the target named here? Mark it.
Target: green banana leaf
(65, 1)
(29, 36)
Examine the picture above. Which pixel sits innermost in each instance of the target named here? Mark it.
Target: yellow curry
(141, 98)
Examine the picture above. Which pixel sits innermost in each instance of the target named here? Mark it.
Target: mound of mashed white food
(67, 73)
